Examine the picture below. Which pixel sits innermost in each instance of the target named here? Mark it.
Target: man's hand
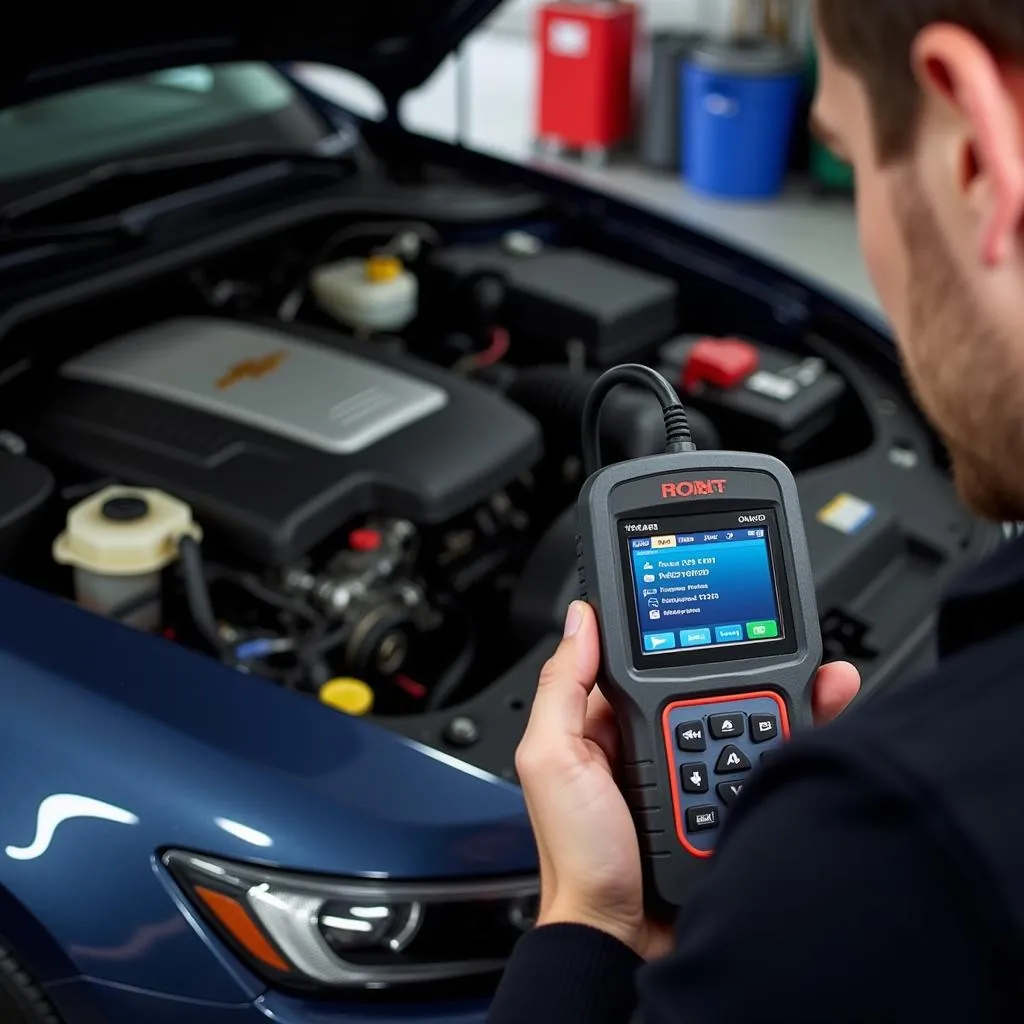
(586, 840)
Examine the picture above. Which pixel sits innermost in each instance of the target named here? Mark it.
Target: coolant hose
(197, 595)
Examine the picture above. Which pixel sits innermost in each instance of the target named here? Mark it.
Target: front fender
(119, 744)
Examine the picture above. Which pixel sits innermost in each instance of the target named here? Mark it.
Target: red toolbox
(586, 69)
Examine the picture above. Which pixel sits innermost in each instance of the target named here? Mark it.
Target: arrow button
(690, 737)
(694, 778)
(728, 792)
(659, 641)
(732, 760)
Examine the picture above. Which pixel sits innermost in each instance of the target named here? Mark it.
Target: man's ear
(983, 103)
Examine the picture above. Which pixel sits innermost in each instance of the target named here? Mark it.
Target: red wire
(496, 350)
(410, 686)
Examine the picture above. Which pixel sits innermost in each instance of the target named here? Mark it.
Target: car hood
(396, 45)
(135, 722)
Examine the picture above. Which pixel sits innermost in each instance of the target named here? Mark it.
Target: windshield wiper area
(121, 197)
(22, 255)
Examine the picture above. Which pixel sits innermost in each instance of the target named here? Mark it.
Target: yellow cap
(381, 268)
(352, 696)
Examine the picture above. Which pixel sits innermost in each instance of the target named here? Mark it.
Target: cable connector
(677, 431)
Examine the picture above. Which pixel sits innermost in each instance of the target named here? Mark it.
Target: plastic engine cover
(278, 438)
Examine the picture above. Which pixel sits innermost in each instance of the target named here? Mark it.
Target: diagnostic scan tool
(697, 566)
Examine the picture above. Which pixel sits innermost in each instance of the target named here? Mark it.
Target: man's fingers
(835, 686)
(560, 706)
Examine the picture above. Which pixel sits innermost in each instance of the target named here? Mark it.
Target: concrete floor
(810, 236)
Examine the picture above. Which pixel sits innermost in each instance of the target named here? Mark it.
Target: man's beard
(962, 370)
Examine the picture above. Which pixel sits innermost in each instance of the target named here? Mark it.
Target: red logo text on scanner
(693, 488)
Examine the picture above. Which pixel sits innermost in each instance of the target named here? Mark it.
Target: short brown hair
(874, 38)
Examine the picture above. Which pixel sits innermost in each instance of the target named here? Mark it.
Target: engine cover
(278, 438)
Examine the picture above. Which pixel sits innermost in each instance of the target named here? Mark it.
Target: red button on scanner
(723, 362)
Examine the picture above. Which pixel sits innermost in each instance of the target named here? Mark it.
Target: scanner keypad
(713, 749)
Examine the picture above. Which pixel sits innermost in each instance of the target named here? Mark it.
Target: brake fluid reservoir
(118, 541)
(373, 294)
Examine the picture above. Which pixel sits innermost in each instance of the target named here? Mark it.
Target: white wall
(518, 15)
(712, 15)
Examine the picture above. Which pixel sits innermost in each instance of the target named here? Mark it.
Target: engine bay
(345, 460)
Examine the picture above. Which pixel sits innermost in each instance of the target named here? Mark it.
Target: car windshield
(167, 109)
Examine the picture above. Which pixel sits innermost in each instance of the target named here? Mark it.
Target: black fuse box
(776, 402)
(557, 296)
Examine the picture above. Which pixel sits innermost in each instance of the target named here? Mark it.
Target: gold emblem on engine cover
(252, 369)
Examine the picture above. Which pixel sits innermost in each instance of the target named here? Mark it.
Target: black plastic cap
(126, 509)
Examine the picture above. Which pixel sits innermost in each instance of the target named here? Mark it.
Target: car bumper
(84, 1001)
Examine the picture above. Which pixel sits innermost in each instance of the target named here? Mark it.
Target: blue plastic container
(739, 104)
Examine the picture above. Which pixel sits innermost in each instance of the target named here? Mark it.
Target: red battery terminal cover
(722, 362)
(365, 539)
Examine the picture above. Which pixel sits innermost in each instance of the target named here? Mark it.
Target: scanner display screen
(705, 583)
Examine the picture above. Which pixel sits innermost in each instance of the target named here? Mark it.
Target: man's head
(926, 99)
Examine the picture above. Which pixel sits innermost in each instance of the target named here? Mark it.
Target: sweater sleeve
(567, 974)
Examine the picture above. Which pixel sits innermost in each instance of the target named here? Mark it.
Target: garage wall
(517, 16)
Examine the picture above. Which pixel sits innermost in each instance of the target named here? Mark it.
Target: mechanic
(876, 872)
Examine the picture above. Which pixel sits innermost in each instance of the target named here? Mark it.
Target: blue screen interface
(704, 589)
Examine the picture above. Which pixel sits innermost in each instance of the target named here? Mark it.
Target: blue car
(289, 445)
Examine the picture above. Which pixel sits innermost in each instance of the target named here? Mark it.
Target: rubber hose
(261, 592)
(197, 594)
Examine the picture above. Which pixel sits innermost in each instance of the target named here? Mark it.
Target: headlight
(301, 930)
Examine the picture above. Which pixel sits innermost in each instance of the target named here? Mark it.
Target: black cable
(677, 427)
(255, 587)
(197, 595)
(556, 395)
(449, 681)
(318, 646)
(311, 654)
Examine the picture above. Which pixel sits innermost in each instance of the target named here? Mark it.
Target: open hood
(396, 45)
